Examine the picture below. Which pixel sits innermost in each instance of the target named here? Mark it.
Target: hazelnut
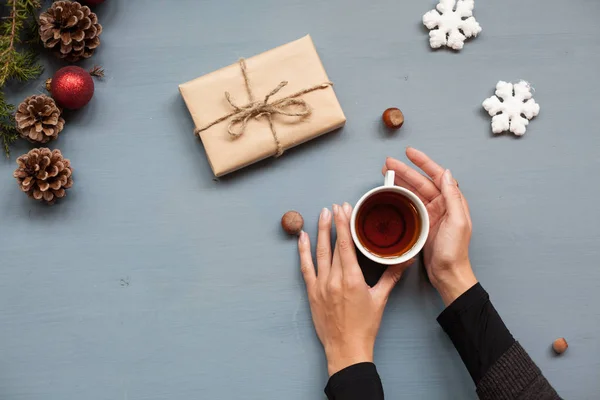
(393, 118)
(560, 345)
(292, 222)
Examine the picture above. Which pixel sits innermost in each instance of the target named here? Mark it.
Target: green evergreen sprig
(15, 62)
(8, 128)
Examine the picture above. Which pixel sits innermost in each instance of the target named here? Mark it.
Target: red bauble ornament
(92, 2)
(72, 87)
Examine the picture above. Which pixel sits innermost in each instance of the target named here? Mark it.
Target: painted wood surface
(154, 281)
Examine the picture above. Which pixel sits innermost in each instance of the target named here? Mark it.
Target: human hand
(446, 252)
(345, 310)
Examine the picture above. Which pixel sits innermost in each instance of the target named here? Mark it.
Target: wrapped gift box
(255, 121)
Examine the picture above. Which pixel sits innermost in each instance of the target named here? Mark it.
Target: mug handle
(389, 178)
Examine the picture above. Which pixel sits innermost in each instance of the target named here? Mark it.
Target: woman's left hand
(345, 310)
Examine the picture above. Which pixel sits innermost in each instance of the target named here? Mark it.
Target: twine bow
(289, 106)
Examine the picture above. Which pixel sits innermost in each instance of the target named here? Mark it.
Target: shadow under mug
(388, 186)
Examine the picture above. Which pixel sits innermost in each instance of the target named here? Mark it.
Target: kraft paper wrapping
(296, 62)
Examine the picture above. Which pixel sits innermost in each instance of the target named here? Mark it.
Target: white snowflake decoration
(512, 107)
(455, 24)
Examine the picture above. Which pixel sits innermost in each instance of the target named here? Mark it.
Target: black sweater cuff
(477, 331)
(515, 376)
(356, 382)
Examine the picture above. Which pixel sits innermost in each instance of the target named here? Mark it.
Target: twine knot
(290, 106)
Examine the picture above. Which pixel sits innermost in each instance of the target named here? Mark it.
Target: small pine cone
(44, 174)
(38, 119)
(70, 29)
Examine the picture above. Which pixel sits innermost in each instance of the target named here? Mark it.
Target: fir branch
(16, 63)
(20, 65)
(8, 129)
(32, 33)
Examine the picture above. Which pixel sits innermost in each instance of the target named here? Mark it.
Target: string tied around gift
(290, 106)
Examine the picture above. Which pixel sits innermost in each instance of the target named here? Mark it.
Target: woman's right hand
(446, 253)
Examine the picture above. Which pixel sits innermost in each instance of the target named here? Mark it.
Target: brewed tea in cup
(390, 224)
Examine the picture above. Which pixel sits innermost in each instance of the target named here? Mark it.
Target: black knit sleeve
(356, 382)
(499, 366)
(477, 331)
(515, 376)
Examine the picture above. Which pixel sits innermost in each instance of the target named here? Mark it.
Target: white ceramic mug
(388, 186)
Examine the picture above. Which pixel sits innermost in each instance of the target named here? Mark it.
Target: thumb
(452, 196)
(390, 278)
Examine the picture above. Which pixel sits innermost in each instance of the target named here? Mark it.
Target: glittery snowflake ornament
(454, 22)
(512, 107)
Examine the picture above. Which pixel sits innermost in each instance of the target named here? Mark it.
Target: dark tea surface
(388, 224)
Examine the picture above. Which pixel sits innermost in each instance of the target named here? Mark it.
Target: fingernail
(325, 214)
(448, 177)
(303, 237)
(347, 208)
(336, 209)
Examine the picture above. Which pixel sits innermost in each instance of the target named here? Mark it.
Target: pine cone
(38, 119)
(44, 174)
(71, 30)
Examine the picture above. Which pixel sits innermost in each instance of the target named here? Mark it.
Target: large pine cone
(44, 174)
(38, 119)
(71, 30)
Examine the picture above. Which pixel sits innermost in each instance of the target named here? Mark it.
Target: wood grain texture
(153, 281)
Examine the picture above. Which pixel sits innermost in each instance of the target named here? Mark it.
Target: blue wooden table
(154, 281)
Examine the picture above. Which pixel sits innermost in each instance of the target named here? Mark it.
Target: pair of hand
(345, 310)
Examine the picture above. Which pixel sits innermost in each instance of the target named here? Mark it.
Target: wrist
(454, 282)
(338, 359)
